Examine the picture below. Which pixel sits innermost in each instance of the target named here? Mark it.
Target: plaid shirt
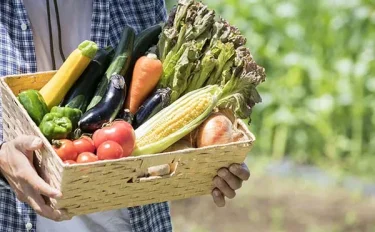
(17, 55)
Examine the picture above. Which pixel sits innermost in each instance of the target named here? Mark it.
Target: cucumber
(119, 64)
(34, 104)
(80, 95)
(144, 40)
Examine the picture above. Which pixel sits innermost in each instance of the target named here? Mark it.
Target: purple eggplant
(152, 105)
(108, 107)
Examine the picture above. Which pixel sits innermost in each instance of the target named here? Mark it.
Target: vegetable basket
(113, 184)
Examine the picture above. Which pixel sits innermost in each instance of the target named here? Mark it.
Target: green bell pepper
(55, 126)
(73, 114)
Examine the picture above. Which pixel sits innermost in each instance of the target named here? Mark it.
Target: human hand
(227, 181)
(16, 165)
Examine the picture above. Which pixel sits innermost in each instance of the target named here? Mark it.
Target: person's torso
(75, 26)
(24, 50)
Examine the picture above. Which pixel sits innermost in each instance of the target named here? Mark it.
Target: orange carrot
(146, 74)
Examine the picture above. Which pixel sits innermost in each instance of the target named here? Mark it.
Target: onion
(217, 129)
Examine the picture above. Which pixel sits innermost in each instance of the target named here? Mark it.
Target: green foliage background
(318, 100)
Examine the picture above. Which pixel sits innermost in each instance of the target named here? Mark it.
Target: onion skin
(215, 130)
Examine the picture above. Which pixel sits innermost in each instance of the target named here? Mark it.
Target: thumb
(27, 143)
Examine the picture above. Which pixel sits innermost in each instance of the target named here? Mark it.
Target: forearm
(3, 180)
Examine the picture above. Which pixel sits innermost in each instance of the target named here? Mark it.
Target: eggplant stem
(77, 133)
(86, 134)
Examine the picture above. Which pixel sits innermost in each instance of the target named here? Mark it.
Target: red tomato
(70, 162)
(84, 144)
(109, 150)
(65, 149)
(120, 132)
(86, 157)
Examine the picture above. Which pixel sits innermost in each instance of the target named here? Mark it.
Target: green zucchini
(119, 64)
(80, 95)
(143, 41)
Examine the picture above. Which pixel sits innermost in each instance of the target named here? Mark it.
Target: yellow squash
(56, 88)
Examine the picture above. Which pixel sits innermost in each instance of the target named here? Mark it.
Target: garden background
(313, 164)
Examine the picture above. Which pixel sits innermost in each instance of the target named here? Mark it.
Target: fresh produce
(34, 104)
(120, 132)
(55, 126)
(176, 100)
(217, 129)
(65, 149)
(198, 51)
(152, 105)
(73, 114)
(119, 65)
(239, 91)
(182, 42)
(84, 144)
(56, 88)
(108, 107)
(175, 121)
(146, 75)
(86, 157)
(81, 93)
(143, 41)
(188, 22)
(109, 150)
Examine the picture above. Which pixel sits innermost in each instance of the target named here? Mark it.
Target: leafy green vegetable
(198, 51)
(226, 53)
(183, 69)
(239, 92)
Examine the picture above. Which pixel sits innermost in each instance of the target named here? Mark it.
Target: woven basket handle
(152, 171)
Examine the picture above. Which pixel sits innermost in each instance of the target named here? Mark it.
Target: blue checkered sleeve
(161, 14)
(14, 215)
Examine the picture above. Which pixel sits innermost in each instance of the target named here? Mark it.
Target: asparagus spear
(202, 72)
(191, 21)
(168, 35)
(172, 29)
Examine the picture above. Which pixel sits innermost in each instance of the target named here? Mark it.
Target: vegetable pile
(173, 86)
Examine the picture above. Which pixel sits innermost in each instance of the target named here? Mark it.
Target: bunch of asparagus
(197, 50)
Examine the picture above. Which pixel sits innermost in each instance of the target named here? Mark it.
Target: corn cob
(175, 121)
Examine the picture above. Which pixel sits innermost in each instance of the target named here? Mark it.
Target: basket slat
(114, 184)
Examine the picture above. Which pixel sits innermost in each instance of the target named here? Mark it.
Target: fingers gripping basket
(107, 185)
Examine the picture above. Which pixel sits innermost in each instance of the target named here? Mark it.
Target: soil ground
(275, 204)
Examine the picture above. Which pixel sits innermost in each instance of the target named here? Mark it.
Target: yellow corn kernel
(175, 121)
